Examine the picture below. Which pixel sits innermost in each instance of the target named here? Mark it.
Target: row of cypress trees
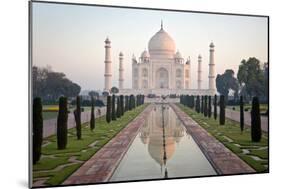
(61, 124)
(131, 102)
(205, 107)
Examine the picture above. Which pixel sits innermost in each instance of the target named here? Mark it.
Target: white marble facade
(162, 70)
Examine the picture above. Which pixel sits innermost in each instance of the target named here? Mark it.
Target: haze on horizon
(70, 39)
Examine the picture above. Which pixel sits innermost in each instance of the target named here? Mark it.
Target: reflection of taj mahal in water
(160, 70)
(151, 134)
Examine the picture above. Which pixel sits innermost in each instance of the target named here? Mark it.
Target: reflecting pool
(162, 149)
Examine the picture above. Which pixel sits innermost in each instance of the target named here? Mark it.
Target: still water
(162, 149)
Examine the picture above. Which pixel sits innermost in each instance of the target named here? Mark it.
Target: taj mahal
(161, 70)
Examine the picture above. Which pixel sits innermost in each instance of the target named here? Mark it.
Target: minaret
(199, 75)
(108, 65)
(121, 71)
(212, 68)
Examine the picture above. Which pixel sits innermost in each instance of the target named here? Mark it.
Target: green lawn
(263, 107)
(56, 165)
(255, 154)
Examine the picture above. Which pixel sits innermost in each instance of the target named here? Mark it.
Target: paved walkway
(222, 159)
(101, 166)
(235, 115)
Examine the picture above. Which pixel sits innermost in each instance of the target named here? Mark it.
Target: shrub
(222, 110)
(93, 119)
(126, 103)
(210, 107)
(202, 104)
(197, 104)
(108, 109)
(37, 128)
(205, 106)
(255, 120)
(77, 116)
(62, 124)
(118, 112)
(241, 114)
(113, 109)
(122, 105)
(215, 107)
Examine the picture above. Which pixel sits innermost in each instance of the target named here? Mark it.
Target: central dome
(161, 43)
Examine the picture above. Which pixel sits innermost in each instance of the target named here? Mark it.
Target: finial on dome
(161, 24)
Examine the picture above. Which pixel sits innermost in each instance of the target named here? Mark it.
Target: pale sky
(70, 39)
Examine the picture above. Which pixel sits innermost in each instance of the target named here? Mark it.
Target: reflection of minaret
(107, 62)
(199, 76)
(212, 68)
(121, 71)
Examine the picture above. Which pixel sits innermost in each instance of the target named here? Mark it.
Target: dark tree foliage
(93, 119)
(215, 107)
(122, 105)
(197, 104)
(62, 123)
(192, 101)
(227, 81)
(222, 110)
(108, 109)
(205, 105)
(210, 107)
(118, 112)
(37, 123)
(132, 102)
(113, 109)
(50, 85)
(255, 120)
(202, 104)
(77, 116)
(241, 114)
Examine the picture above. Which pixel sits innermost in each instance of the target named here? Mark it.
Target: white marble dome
(161, 42)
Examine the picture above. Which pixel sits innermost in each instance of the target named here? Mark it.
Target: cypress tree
(77, 116)
(210, 107)
(131, 105)
(222, 110)
(205, 106)
(122, 105)
(37, 123)
(198, 104)
(93, 120)
(108, 109)
(62, 124)
(202, 104)
(126, 103)
(255, 120)
(118, 112)
(241, 114)
(113, 114)
(215, 107)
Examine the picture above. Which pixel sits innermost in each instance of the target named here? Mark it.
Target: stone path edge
(101, 166)
(224, 161)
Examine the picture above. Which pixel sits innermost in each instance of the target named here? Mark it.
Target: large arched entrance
(162, 79)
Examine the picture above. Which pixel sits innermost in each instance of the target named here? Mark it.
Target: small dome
(199, 56)
(107, 40)
(120, 54)
(212, 45)
(178, 55)
(187, 61)
(145, 54)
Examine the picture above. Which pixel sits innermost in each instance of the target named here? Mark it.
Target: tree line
(251, 80)
(50, 85)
